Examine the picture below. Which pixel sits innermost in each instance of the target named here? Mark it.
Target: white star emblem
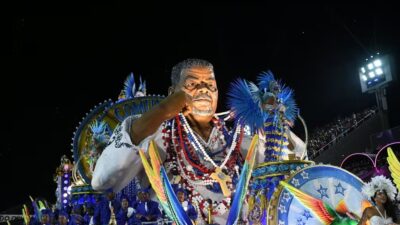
(304, 174)
(295, 182)
(281, 222)
(282, 209)
(286, 196)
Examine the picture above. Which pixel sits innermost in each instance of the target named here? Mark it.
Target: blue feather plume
(98, 127)
(242, 185)
(100, 131)
(239, 196)
(181, 218)
(140, 83)
(264, 80)
(286, 96)
(130, 86)
(244, 100)
(36, 209)
(144, 87)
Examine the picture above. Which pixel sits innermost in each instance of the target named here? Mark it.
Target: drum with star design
(336, 187)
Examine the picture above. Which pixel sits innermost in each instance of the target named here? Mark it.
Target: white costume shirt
(120, 162)
(378, 220)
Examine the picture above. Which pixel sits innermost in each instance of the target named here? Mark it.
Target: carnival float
(285, 189)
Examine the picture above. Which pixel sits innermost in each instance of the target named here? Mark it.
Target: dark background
(64, 65)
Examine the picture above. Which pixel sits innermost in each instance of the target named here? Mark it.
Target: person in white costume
(381, 192)
(193, 143)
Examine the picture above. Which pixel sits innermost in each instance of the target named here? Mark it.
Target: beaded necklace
(199, 148)
(184, 149)
(186, 153)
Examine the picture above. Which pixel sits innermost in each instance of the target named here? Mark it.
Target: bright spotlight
(65, 195)
(365, 78)
(371, 74)
(379, 71)
(375, 73)
(377, 63)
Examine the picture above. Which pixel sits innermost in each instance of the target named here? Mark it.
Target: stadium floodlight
(371, 74)
(365, 78)
(377, 63)
(379, 71)
(375, 73)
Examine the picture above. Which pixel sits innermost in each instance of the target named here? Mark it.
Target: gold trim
(271, 175)
(84, 185)
(283, 162)
(277, 141)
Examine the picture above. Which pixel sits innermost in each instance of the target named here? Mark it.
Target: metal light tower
(375, 76)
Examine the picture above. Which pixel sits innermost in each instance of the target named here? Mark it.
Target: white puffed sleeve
(120, 161)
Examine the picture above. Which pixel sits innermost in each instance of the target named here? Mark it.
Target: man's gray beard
(198, 112)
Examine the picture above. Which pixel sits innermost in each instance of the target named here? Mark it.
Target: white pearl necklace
(182, 170)
(198, 147)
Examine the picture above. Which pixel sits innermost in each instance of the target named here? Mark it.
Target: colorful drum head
(337, 188)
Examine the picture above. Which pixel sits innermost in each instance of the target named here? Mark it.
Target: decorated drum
(336, 187)
(265, 179)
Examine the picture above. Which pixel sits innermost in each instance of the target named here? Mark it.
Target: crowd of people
(324, 137)
(108, 209)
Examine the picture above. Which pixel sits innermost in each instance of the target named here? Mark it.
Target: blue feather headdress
(265, 79)
(269, 101)
(100, 131)
(130, 86)
(98, 127)
(244, 102)
(287, 100)
(130, 91)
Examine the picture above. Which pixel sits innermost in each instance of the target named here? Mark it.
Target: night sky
(64, 66)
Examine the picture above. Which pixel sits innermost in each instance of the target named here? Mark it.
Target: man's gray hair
(187, 64)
